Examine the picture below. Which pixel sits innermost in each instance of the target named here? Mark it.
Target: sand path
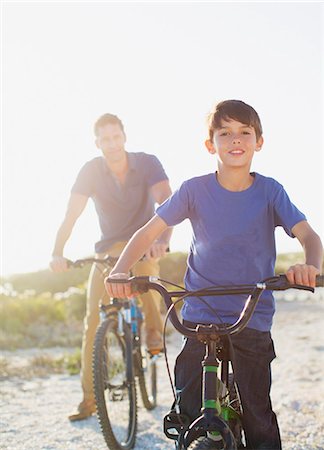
(33, 412)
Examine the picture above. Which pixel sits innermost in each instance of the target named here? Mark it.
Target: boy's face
(111, 141)
(234, 143)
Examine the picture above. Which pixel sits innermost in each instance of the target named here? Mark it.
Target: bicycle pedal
(175, 425)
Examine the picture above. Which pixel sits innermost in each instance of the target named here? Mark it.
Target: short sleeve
(177, 207)
(154, 171)
(286, 214)
(84, 183)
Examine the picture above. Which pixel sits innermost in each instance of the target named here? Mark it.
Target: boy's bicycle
(119, 358)
(221, 409)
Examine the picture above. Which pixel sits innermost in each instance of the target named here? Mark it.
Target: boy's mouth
(236, 152)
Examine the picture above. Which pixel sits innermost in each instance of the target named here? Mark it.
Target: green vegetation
(44, 320)
(47, 281)
(285, 260)
(43, 309)
(42, 365)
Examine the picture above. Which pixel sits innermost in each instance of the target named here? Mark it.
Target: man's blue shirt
(122, 208)
(233, 242)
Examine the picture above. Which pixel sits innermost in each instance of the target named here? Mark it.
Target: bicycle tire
(114, 385)
(147, 377)
(196, 432)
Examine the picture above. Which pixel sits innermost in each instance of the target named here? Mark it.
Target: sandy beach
(34, 411)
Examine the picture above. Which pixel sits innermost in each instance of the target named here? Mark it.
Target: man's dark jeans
(253, 353)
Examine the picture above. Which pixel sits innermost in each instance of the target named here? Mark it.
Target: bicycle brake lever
(140, 284)
(280, 283)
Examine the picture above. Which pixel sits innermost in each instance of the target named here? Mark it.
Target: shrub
(43, 320)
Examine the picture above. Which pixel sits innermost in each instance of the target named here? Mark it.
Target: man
(124, 187)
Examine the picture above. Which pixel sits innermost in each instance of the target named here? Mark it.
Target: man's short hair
(233, 110)
(106, 119)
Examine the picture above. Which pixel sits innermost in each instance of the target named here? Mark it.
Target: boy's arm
(132, 253)
(76, 205)
(160, 192)
(306, 273)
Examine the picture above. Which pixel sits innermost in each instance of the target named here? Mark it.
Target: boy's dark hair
(108, 119)
(235, 110)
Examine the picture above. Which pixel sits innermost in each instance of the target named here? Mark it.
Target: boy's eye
(224, 133)
(246, 132)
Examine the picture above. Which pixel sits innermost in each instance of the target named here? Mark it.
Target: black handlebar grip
(117, 280)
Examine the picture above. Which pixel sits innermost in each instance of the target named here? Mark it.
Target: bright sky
(160, 67)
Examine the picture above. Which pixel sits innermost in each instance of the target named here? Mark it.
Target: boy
(233, 213)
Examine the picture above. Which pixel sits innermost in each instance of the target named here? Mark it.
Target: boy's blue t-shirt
(233, 242)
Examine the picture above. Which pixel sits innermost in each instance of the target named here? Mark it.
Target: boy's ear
(259, 144)
(210, 147)
(97, 143)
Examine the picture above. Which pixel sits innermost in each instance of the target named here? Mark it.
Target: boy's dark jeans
(253, 353)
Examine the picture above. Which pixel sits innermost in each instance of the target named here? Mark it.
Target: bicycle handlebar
(276, 283)
(108, 260)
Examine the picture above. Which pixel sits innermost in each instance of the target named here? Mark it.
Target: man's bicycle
(221, 412)
(119, 359)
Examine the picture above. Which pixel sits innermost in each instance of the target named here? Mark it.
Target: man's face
(235, 143)
(111, 141)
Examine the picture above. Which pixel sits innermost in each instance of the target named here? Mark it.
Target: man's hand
(119, 290)
(59, 264)
(157, 250)
(304, 274)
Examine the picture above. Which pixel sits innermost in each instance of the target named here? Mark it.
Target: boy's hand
(118, 290)
(304, 274)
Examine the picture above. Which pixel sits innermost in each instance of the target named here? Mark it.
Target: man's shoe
(206, 443)
(155, 351)
(84, 410)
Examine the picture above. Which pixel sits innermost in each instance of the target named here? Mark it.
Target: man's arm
(132, 253)
(313, 249)
(76, 205)
(160, 192)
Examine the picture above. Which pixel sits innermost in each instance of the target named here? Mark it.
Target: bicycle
(221, 408)
(119, 359)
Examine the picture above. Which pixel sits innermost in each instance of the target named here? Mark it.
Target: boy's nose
(236, 139)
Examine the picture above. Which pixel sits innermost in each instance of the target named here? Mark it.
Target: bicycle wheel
(147, 377)
(114, 385)
(196, 437)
